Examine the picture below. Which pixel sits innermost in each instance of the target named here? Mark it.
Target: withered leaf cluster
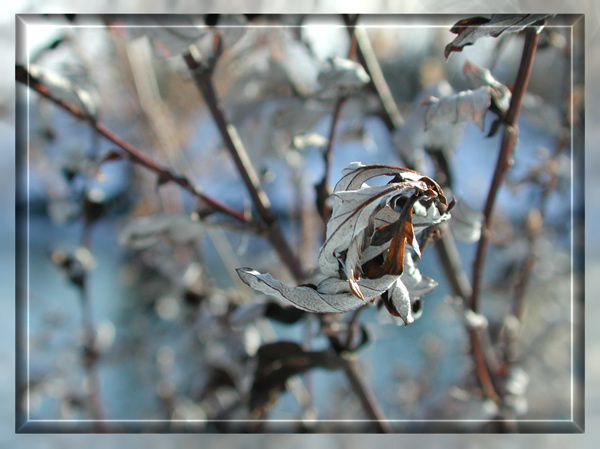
(473, 28)
(366, 250)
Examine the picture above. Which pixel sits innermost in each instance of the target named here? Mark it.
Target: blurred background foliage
(160, 337)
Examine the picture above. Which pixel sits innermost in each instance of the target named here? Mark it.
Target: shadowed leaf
(340, 78)
(471, 29)
(278, 362)
(479, 77)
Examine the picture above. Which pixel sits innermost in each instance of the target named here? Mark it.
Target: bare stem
(203, 79)
(450, 259)
(367, 399)
(323, 190)
(504, 158)
(365, 54)
(135, 155)
(323, 186)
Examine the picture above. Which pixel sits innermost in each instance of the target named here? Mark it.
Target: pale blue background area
(7, 437)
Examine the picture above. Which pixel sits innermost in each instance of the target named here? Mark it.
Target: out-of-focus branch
(366, 56)
(135, 155)
(323, 187)
(367, 399)
(89, 356)
(202, 75)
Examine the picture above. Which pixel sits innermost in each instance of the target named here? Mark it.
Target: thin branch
(322, 188)
(366, 56)
(135, 155)
(504, 158)
(450, 260)
(367, 399)
(203, 78)
(89, 356)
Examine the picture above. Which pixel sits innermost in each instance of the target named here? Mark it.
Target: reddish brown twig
(203, 78)
(504, 158)
(502, 166)
(135, 155)
(367, 399)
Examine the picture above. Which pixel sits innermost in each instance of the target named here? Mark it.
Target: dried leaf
(473, 28)
(466, 222)
(340, 78)
(359, 209)
(278, 362)
(469, 105)
(332, 295)
(412, 138)
(307, 140)
(479, 77)
(147, 231)
(363, 226)
(416, 284)
(397, 301)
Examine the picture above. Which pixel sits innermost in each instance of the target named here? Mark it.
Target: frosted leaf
(307, 140)
(298, 116)
(413, 137)
(466, 222)
(479, 77)
(459, 108)
(397, 301)
(471, 29)
(367, 222)
(340, 78)
(332, 295)
(416, 284)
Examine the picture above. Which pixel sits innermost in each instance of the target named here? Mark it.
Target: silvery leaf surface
(340, 78)
(466, 223)
(479, 76)
(416, 284)
(356, 173)
(458, 108)
(398, 302)
(411, 139)
(353, 213)
(473, 28)
(332, 295)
